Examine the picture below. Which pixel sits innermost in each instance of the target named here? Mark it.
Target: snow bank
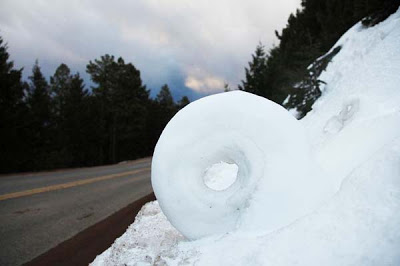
(144, 240)
(354, 134)
(358, 111)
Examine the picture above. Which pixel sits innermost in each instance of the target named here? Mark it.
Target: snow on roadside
(354, 131)
(144, 240)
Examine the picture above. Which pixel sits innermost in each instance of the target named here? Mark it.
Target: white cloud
(204, 85)
(163, 38)
(203, 82)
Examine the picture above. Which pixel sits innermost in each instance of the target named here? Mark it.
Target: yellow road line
(69, 170)
(68, 185)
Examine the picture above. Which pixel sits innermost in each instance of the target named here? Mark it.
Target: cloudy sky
(194, 46)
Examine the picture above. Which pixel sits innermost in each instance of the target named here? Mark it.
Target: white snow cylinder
(275, 174)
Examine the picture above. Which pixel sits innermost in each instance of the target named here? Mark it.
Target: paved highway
(39, 211)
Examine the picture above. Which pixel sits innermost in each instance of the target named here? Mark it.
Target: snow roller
(234, 161)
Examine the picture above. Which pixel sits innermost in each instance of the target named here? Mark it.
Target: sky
(194, 46)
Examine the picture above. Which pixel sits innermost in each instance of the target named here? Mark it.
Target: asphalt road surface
(39, 211)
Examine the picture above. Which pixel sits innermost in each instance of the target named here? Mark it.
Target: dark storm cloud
(186, 43)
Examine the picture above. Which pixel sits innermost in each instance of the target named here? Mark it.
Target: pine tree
(59, 86)
(69, 98)
(39, 98)
(183, 102)
(165, 107)
(100, 71)
(226, 87)
(40, 121)
(255, 73)
(164, 96)
(14, 137)
(123, 100)
(77, 121)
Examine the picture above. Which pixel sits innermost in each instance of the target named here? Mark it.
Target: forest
(59, 123)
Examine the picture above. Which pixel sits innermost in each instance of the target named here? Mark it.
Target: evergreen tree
(226, 87)
(14, 138)
(255, 73)
(78, 123)
(59, 87)
(39, 98)
(183, 102)
(70, 101)
(40, 124)
(100, 71)
(164, 96)
(123, 99)
(166, 106)
(161, 110)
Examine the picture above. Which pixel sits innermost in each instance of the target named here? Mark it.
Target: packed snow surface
(354, 136)
(275, 170)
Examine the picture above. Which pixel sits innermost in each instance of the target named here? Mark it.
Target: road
(39, 211)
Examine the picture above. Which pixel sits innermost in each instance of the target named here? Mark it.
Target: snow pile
(258, 138)
(144, 241)
(354, 135)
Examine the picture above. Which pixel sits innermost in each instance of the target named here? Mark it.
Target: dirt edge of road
(83, 248)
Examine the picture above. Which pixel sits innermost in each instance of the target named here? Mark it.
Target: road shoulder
(86, 245)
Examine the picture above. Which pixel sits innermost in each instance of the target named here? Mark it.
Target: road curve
(41, 210)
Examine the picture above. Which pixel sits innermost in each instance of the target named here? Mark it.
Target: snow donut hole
(220, 176)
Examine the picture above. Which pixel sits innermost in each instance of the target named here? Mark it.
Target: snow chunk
(293, 111)
(144, 241)
(337, 122)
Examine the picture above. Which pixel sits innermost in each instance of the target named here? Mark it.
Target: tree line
(57, 123)
(309, 34)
